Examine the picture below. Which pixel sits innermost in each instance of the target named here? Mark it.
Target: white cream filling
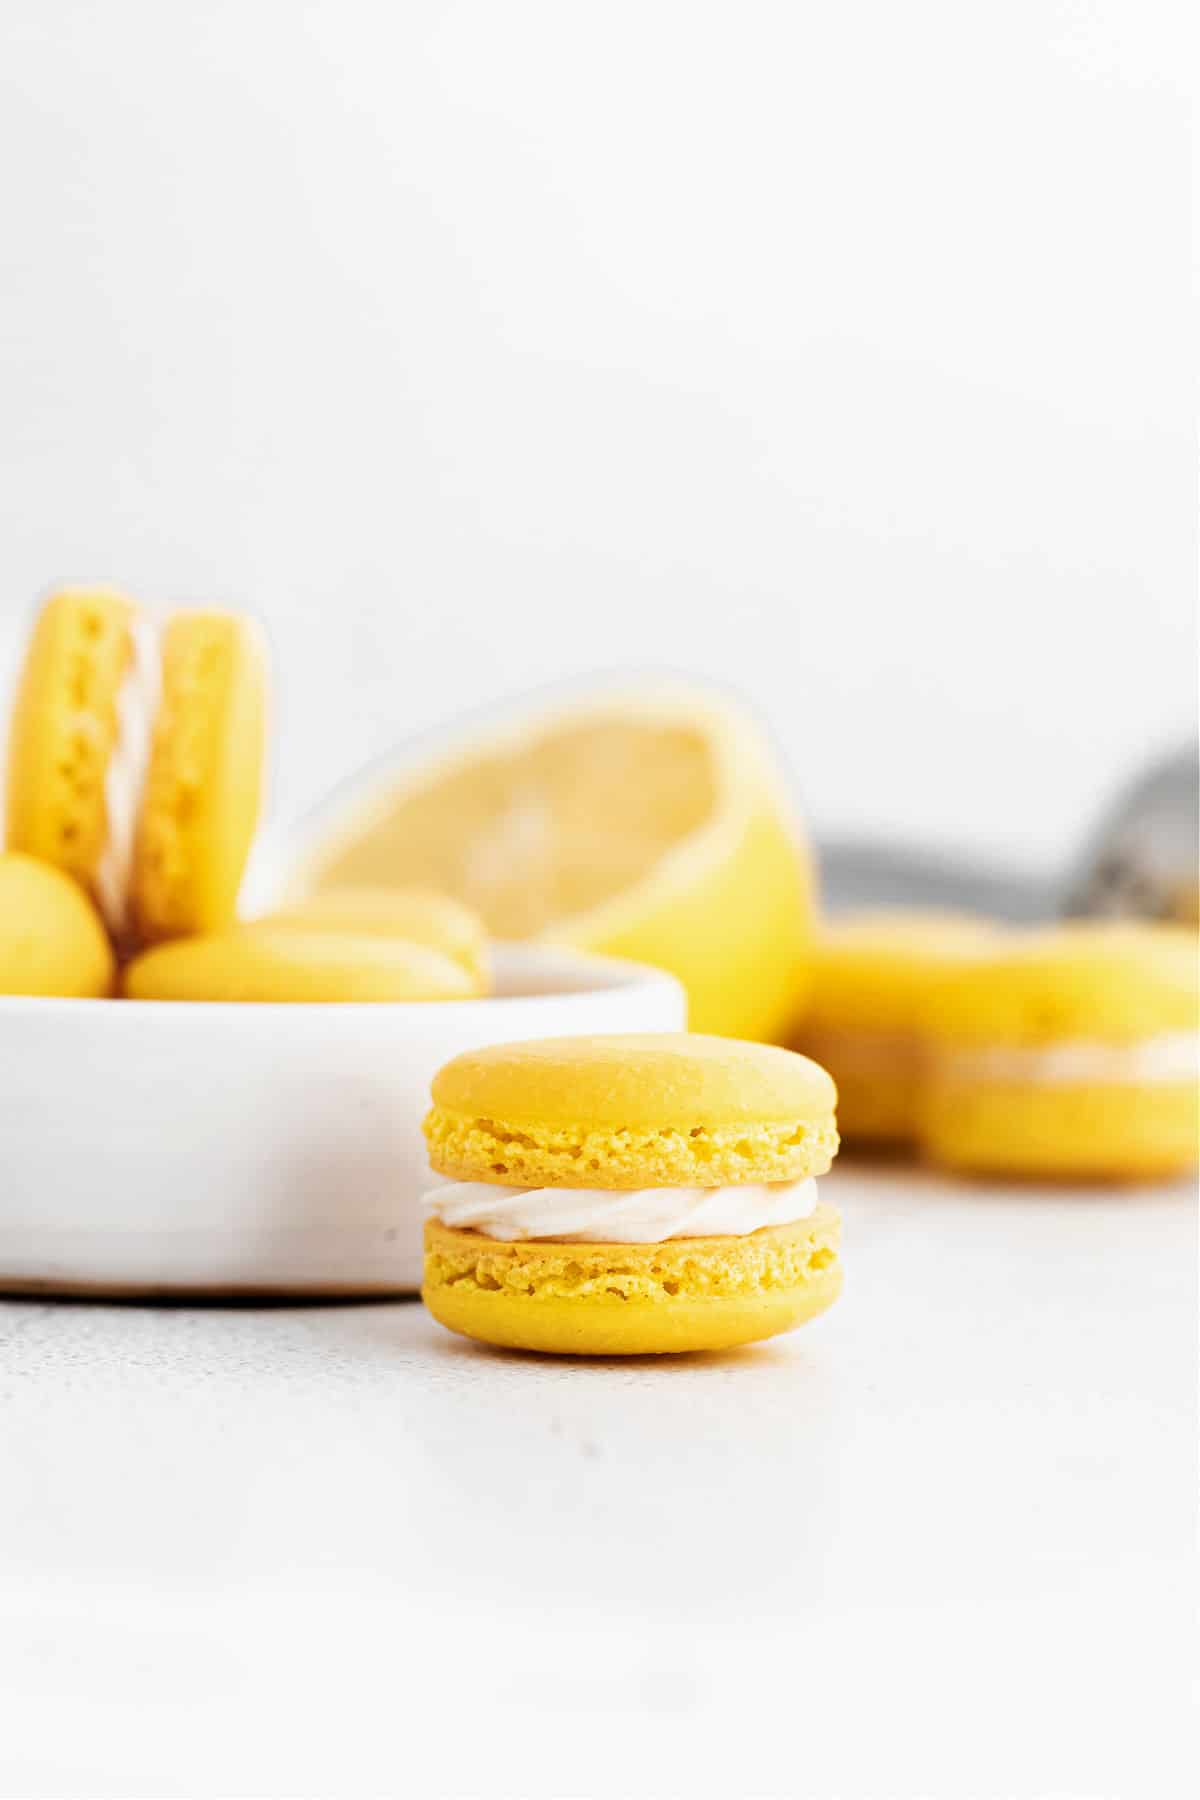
(137, 704)
(1173, 1056)
(606, 1216)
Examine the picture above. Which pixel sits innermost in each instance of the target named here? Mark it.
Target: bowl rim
(594, 975)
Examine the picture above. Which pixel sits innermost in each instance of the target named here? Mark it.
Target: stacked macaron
(134, 786)
(135, 759)
(872, 972)
(1070, 1051)
(623, 1195)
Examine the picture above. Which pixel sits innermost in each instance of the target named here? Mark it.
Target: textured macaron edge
(472, 1148)
(779, 1257)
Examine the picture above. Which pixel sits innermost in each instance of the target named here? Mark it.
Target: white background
(838, 351)
(937, 1545)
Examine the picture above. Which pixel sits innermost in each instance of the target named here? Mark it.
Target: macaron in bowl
(135, 758)
(273, 964)
(1072, 1053)
(619, 1195)
(417, 915)
(52, 941)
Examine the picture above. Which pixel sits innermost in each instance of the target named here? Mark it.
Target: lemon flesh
(656, 831)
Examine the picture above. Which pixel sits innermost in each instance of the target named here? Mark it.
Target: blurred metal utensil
(1143, 860)
(860, 874)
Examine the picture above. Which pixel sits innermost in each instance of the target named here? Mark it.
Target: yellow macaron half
(203, 789)
(872, 973)
(420, 915)
(1072, 1052)
(135, 758)
(631, 1111)
(630, 1194)
(264, 964)
(64, 728)
(633, 1299)
(52, 940)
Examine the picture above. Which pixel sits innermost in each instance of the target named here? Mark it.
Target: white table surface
(939, 1543)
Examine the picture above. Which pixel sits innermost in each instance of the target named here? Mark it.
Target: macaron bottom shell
(1103, 1132)
(633, 1299)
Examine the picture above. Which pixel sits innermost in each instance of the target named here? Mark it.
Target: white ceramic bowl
(165, 1148)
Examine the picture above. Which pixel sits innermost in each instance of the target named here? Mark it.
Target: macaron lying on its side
(267, 964)
(420, 915)
(51, 938)
(622, 1195)
(1072, 1052)
(135, 759)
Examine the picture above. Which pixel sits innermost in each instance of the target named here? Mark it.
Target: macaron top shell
(51, 937)
(259, 964)
(657, 1109)
(1107, 982)
(871, 969)
(421, 915)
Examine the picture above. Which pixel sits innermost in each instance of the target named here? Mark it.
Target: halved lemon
(653, 827)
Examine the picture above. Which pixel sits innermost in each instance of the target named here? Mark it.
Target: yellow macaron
(623, 1195)
(872, 972)
(1072, 1052)
(51, 938)
(421, 915)
(265, 964)
(135, 758)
